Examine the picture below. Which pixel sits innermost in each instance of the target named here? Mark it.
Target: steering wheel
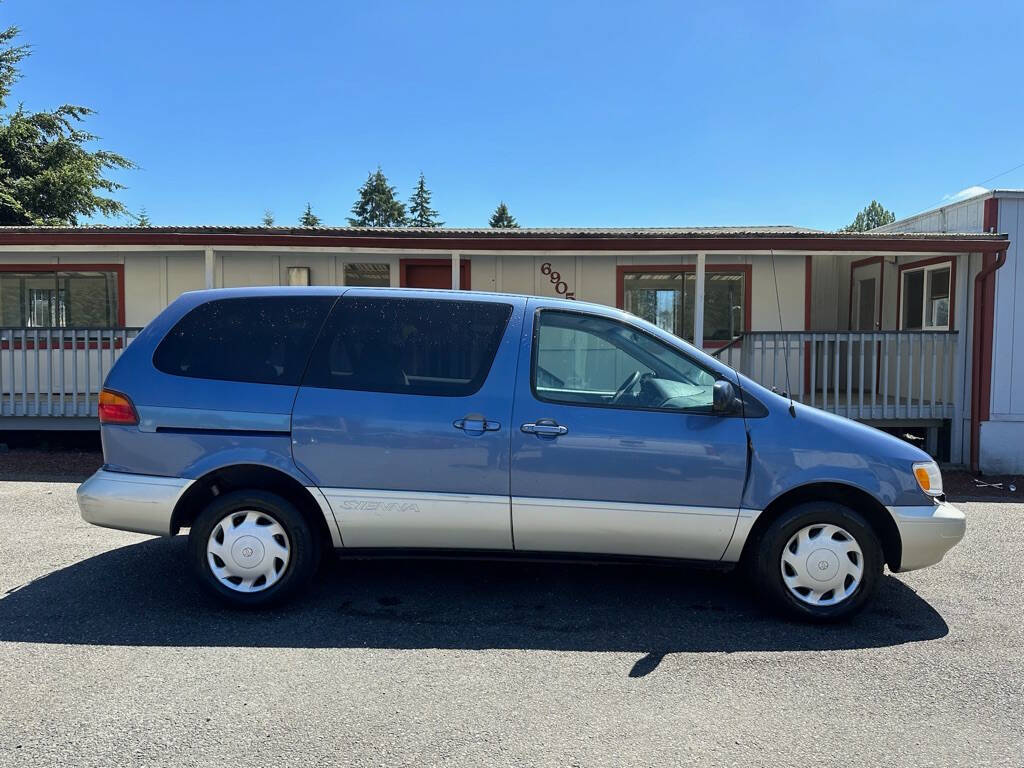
(626, 386)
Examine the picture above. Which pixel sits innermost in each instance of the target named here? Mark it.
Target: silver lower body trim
(927, 533)
(371, 518)
(615, 528)
(744, 524)
(325, 510)
(127, 502)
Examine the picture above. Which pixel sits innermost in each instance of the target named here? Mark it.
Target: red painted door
(432, 273)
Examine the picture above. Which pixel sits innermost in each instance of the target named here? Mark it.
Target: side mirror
(724, 397)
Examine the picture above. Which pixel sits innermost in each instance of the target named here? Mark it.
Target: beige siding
(595, 280)
(247, 268)
(155, 278)
(765, 305)
(185, 272)
(145, 277)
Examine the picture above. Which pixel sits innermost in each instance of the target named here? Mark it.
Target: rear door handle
(474, 422)
(545, 427)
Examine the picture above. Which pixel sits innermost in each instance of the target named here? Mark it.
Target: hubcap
(248, 551)
(822, 564)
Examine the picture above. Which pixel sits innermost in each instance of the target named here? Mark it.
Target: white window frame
(947, 265)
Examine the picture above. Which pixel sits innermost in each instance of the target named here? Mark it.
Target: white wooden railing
(871, 376)
(57, 371)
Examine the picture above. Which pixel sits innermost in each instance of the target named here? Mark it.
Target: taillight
(115, 408)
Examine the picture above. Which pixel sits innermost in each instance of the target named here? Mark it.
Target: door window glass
(589, 360)
(408, 346)
(263, 340)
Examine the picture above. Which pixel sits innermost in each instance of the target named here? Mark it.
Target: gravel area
(110, 656)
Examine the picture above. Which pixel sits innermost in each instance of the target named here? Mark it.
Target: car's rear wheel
(819, 561)
(252, 549)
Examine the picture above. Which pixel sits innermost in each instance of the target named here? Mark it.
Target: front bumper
(927, 532)
(138, 503)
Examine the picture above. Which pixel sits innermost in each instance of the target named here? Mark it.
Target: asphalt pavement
(109, 656)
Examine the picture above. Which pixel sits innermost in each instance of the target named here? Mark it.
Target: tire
(819, 562)
(253, 549)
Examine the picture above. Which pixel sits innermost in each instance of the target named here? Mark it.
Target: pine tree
(268, 218)
(51, 174)
(309, 219)
(502, 219)
(377, 206)
(420, 212)
(873, 215)
(142, 218)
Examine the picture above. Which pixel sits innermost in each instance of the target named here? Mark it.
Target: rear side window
(408, 346)
(261, 340)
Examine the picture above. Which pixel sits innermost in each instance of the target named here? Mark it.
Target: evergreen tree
(420, 212)
(142, 218)
(309, 219)
(268, 218)
(377, 205)
(47, 175)
(502, 219)
(874, 215)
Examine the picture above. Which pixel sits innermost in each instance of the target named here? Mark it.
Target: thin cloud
(963, 194)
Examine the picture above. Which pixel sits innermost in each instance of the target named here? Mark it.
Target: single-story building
(1000, 368)
(876, 326)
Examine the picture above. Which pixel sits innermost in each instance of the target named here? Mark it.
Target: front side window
(59, 299)
(260, 340)
(667, 300)
(590, 360)
(925, 296)
(408, 346)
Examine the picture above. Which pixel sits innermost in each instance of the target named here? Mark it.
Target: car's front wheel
(252, 549)
(820, 561)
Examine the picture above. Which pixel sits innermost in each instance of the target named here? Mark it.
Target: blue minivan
(279, 423)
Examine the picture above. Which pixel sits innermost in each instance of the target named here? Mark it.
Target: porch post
(209, 267)
(456, 272)
(698, 304)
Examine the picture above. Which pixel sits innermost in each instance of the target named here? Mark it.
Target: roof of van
(337, 290)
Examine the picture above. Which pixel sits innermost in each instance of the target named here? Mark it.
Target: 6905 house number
(561, 287)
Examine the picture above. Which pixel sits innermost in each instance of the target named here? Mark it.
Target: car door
(403, 418)
(616, 448)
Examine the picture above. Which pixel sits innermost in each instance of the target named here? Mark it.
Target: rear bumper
(138, 503)
(927, 533)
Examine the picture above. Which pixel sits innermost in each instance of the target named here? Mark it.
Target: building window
(298, 276)
(666, 298)
(925, 299)
(368, 275)
(59, 299)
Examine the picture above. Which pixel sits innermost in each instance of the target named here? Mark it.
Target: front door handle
(475, 422)
(545, 427)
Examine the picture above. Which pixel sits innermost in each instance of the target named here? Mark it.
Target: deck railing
(866, 375)
(872, 376)
(57, 371)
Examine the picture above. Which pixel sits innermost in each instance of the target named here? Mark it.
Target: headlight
(929, 477)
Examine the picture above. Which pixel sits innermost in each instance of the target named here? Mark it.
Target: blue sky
(575, 114)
